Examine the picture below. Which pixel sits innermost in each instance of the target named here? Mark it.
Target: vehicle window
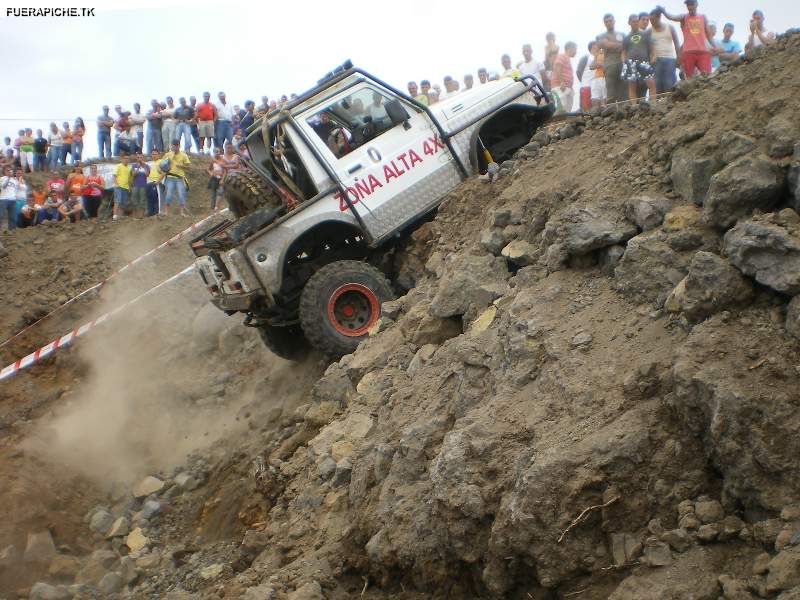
(288, 166)
(352, 121)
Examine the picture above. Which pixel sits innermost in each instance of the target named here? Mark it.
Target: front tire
(285, 342)
(340, 303)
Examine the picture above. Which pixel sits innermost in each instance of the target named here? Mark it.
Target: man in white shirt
(169, 124)
(223, 127)
(137, 120)
(530, 66)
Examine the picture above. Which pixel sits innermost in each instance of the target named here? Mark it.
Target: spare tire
(246, 192)
(340, 303)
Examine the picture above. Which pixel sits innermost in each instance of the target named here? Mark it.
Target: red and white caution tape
(70, 337)
(97, 286)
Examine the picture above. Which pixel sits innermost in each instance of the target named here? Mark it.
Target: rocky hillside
(590, 390)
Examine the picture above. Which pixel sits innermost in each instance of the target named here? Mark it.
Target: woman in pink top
(695, 54)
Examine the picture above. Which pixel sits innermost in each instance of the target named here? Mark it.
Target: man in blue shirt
(729, 49)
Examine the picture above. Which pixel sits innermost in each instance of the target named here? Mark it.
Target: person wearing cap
(697, 37)
(610, 42)
(729, 49)
(759, 36)
(175, 177)
(104, 125)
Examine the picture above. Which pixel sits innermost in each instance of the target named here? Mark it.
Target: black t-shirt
(184, 113)
(39, 145)
(637, 45)
(247, 120)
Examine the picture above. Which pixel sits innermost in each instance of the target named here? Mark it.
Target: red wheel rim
(352, 309)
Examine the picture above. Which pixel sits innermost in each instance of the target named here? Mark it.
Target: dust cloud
(157, 387)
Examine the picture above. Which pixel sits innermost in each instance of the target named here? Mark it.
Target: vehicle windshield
(352, 121)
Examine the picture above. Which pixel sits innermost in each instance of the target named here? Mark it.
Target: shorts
(598, 88)
(637, 70)
(121, 196)
(205, 129)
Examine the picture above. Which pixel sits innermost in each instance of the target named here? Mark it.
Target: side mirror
(397, 113)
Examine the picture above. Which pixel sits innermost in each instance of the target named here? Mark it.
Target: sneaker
(115, 218)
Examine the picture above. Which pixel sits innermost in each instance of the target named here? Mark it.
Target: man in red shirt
(563, 78)
(206, 114)
(695, 54)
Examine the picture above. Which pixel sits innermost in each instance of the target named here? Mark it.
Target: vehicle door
(394, 171)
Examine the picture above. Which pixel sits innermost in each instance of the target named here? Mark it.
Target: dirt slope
(591, 391)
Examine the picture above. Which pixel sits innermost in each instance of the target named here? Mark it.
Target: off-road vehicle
(335, 179)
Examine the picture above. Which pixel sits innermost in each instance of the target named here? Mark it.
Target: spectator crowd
(645, 60)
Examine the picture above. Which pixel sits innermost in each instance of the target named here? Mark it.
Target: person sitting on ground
(759, 36)
(636, 53)
(122, 188)
(55, 189)
(139, 173)
(92, 192)
(730, 49)
(71, 209)
(30, 214)
(75, 183)
(175, 162)
(230, 160)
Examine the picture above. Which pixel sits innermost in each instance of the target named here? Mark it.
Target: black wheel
(246, 192)
(340, 303)
(286, 342)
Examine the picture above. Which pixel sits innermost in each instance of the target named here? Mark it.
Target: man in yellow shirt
(122, 187)
(155, 184)
(175, 178)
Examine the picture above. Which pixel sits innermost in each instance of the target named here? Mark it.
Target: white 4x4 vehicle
(334, 180)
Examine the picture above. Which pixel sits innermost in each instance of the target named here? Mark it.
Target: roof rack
(348, 64)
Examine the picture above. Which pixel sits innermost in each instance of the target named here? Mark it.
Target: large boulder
(767, 248)
(730, 390)
(781, 133)
(749, 183)
(656, 261)
(711, 285)
(691, 174)
(581, 229)
(469, 284)
(735, 145)
(647, 211)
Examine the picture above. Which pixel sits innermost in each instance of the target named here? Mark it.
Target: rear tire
(245, 193)
(285, 342)
(340, 303)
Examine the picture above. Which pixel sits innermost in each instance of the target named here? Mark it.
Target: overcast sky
(57, 68)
